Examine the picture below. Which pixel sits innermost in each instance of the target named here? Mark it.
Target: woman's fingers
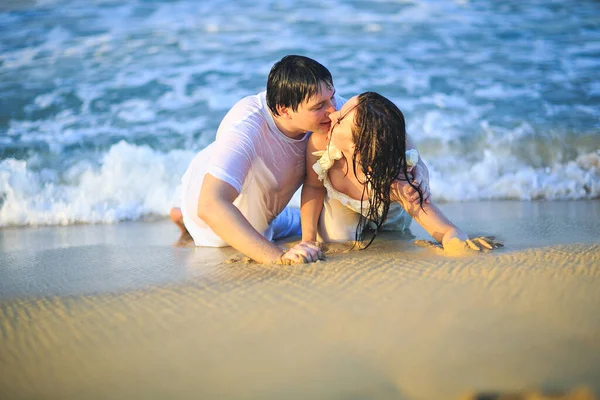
(294, 257)
(472, 245)
(410, 193)
(423, 184)
(484, 243)
(413, 195)
(284, 260)
(427, 195)
(489, 242)
(304, 259)
(313, 249)
(304, 252)
(479, 243)
(291, 257)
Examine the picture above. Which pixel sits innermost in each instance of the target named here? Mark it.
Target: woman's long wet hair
(379, 138)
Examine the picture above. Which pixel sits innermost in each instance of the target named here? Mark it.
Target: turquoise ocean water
(103, 103)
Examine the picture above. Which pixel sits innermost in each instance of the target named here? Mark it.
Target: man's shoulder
(247, 111)
(248, 105)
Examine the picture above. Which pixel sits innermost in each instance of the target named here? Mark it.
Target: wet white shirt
(251, 154)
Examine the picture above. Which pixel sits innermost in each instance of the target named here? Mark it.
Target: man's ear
(284, 111)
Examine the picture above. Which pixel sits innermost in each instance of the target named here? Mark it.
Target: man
(235, 191)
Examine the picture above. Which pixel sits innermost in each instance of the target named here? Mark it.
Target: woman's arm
(313, 195)
(420, 176)
(311, 204)
(430, 217)
(433, 220)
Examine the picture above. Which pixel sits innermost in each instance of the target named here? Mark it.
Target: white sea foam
(498, 177)
(135, 111)
(132, 182)
(497, 91)
(18, 58)
(497, 113)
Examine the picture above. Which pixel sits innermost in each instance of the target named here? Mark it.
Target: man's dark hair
(293, 80)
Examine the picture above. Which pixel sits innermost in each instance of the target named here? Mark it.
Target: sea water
(104, 103)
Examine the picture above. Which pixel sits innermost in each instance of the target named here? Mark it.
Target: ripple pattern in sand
(382, 323)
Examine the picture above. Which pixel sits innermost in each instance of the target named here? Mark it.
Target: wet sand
(117, 312)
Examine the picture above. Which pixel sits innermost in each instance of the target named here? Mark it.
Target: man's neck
(285, 129)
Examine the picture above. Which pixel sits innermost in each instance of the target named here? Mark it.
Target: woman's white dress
(341, 213)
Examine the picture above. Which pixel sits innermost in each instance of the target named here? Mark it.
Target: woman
(357, 177)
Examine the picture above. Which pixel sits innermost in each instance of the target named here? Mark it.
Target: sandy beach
(115, 311)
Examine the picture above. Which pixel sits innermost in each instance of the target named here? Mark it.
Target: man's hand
(420, 179)
(303, 252)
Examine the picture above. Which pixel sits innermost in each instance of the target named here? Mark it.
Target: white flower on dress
(327, 158)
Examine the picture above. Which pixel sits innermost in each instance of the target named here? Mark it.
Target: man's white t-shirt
(251, 154)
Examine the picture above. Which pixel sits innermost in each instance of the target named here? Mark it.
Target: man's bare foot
(177, 219)
(185, 239)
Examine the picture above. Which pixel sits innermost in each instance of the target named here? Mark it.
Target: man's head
(300, 94)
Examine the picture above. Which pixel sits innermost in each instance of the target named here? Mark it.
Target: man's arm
(216, 209)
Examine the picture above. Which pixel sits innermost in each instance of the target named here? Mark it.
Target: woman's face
(342, 124)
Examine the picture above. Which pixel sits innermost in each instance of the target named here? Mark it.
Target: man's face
(313, 115)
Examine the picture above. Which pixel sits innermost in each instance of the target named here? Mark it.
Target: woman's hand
(458, 246)
(455, 240)
(420, 178)
(482, 243)
(303, 252)
(408, 196)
